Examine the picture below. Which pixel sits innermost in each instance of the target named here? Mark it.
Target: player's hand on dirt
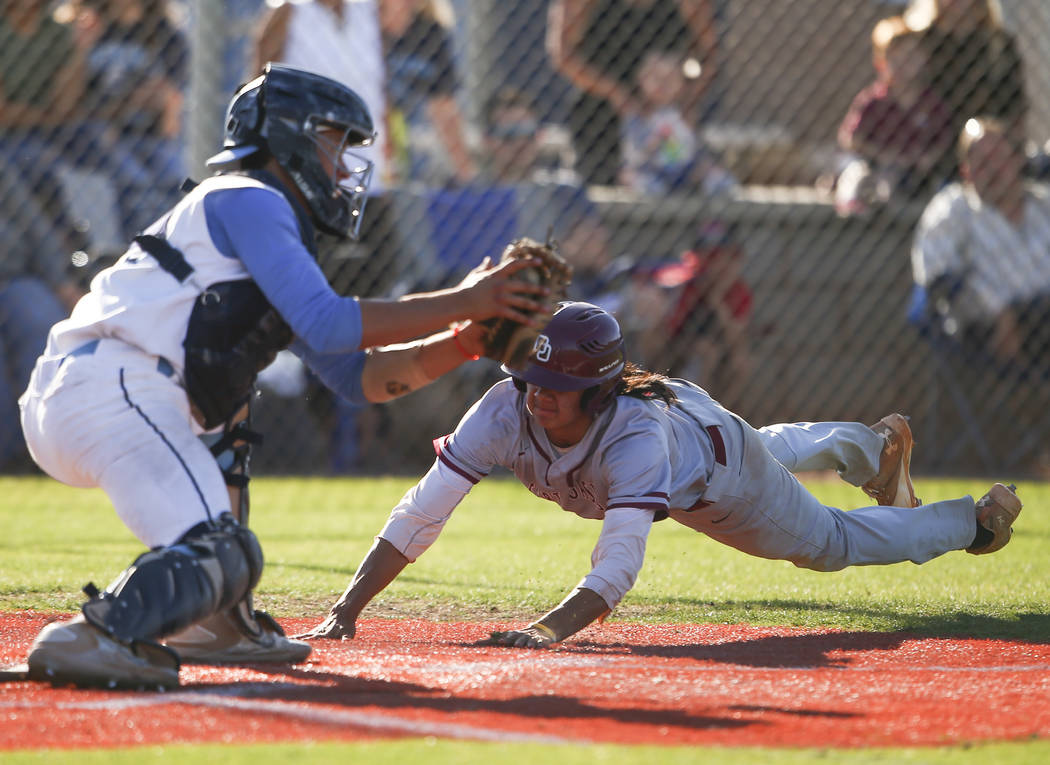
(494, 291)
(334, 627)
(535, 636)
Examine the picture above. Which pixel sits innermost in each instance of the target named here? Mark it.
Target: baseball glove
(509, 341)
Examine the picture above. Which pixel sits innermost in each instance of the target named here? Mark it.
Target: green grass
(507, 555)
(433, 752)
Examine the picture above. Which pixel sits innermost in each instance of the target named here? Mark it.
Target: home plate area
(678, 684)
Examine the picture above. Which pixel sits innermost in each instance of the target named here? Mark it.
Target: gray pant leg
(850, 448)
(763, 510)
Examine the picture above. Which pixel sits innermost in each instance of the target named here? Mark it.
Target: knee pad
(211, 568)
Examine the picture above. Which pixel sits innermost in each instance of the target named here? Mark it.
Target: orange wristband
(459, 344)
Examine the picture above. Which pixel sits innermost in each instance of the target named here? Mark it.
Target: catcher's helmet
(580, 348)
(282, 111)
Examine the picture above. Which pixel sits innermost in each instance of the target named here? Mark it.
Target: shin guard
(211, 568)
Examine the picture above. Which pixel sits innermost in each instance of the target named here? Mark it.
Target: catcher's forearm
(391, 371)
(579, 609)
(379, 568)
(391, 321)
(527, 281)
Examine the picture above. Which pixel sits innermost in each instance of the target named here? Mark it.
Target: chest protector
(233, 334)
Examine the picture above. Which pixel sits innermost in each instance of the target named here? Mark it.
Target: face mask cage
(348, 171)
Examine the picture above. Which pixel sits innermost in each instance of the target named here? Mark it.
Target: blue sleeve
(258, 227)
(340, 372)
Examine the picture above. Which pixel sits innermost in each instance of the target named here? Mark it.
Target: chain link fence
(747, 184)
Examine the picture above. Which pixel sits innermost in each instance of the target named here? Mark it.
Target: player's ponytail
(641, 383)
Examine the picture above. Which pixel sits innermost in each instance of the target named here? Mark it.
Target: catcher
(144, 390)
(607, 440)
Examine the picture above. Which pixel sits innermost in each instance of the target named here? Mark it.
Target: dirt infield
(706, 684)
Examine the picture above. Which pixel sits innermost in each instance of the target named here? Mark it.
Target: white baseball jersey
(694, 461)
(230, 227)
(139, 302)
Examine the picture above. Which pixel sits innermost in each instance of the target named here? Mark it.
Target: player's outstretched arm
(574, 613)
(379, 568)
(489, 291)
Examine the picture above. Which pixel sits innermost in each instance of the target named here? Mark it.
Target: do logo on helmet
(542, 348)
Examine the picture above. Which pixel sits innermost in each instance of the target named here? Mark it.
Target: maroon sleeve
(863, 120)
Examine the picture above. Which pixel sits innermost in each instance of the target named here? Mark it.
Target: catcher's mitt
(506, 340)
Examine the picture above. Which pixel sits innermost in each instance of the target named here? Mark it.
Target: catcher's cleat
(996, 512)
(892, 484)
(80, 654)
(235, 636)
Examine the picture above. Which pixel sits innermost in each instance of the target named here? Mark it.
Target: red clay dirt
(696, 684)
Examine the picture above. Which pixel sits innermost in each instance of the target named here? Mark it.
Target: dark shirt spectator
(130, 130)
(35, 292)
(41, 83)
(975, 66)
(426, 123)
(137, 69)
(37, 89)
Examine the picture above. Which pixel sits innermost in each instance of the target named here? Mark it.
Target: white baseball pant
(109, 415)
(760, 507)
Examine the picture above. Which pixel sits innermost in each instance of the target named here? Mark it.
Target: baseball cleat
(77, 653)
(237, 636)
(996, 512)
(892, 484)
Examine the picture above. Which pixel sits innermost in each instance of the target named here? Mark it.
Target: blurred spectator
(531, 189)
(426, 125)
(35, 292)
(662, 152)
(703, 330)
(131, 115)
(342, 40)
(598, 45)
(517, 146)
(975, 66)
(897, 127)
(599, 276)
(41, 84)
(982, 251)
(511, 127)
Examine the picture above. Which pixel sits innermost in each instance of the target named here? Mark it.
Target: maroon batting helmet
(580, 348)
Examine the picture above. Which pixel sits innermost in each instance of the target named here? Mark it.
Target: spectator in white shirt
(982, 249)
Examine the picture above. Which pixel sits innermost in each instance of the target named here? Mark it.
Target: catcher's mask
(284, 111)
(581, 348)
